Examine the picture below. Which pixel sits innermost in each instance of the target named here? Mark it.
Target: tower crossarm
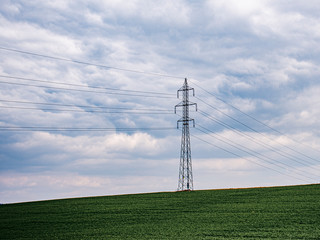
(183, 104)
(184, 88)
(185, 122)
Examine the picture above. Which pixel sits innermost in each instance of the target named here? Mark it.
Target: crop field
(257, 213)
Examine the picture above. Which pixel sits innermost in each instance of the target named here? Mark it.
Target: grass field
(258, 213)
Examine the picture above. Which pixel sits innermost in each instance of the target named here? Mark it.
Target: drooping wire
(255, 140)
(86, 86)
(253, 152)
(247, 159)
(85, 106)
(83, 110)
(65, 129)
(88, 63)
(257, 120)
(252, 129)
(83, 90)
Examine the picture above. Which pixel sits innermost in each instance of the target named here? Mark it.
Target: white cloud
(10, 7)
(164, 11)
(18, 187)
(59, 4)
(92, 146)
(247, 66)
(34, 38)
(94, 18)
(232, 7)
(224, 165)
(261, 56)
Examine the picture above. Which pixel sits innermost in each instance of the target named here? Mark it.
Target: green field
(257, 213)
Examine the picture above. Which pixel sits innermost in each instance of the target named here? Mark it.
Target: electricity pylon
(185, 169)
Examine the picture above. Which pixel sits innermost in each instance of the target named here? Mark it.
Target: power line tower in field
(185, 169)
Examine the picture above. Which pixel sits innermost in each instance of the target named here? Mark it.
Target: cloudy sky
(88, 89)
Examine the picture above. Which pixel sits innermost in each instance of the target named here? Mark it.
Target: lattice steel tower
(185, 169)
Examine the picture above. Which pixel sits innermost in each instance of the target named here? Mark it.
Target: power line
(78, 110)
(252, 129)
(225, 102)
(257, 120)
(82, 90)
(86, 86)
(48, 129)
(237, 155)
(88, 63)
(253, 139)
(84, 106)
(253, 152)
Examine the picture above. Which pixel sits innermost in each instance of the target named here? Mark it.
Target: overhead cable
(86, 106)
(83, 110)
(82, 90)
(88, 63)
(85, 86)
(252, 129)
(32, 128)
(257, 141)
(257, 120)
(255, 153)
(247, 159)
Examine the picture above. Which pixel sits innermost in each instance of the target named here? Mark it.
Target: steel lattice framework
(185, 169)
